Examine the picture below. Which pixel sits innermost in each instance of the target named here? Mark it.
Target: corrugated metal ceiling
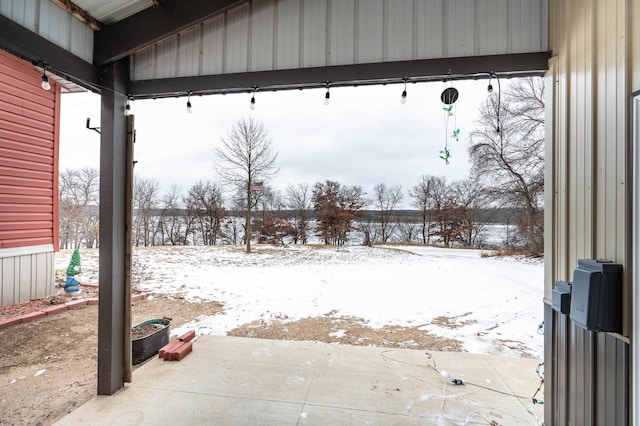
(112, 11)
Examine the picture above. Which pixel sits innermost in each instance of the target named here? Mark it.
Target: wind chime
(449, 97)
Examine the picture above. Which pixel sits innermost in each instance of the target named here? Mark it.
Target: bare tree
(246, 158)
(205, 204)
(145, 203)
(427, 194)
(386, 199)
(78, 198)
(172, 223)
(507, 152)
(299, 198)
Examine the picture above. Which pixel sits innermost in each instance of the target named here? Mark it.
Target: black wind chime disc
(449, 96)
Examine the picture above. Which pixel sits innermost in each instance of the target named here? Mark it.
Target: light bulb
(45, 82)
(490, 88)
(189, 110)
(252, 104)
(327, 98)
(127, 109)
(403, 99)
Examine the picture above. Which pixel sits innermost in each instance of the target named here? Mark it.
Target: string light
(45, 81)
(127, 108)
(252, 103)
(403, 99)
(189, 110)
(327, 96)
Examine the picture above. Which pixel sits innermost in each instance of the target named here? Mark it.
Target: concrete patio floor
(240, 381)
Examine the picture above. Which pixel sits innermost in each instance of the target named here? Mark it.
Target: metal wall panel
(287, 42)
(369, 38)
(262, 34)
(399, 30)
(51, 22)
(341, 32)
(212, 48)
(430, 31)
(26, 274)
(267, 35)
(314, 35)
(236, 58)
(189, 52)
(586, 204)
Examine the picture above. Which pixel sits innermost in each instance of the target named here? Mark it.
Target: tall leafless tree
(507, 152)
(173, 223)
(145, 204)
(386, 199)
(246, 158)
(299, 199)
(427, 194)
(78, 199)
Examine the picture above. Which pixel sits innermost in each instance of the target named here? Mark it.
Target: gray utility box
(561, 297)
(596, 296)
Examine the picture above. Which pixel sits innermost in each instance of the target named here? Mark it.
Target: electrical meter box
(561, 297)
(596, 295)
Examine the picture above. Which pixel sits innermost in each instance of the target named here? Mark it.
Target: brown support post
(128, 248)
(113, 171)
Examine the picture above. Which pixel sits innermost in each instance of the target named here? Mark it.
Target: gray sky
(364, 137)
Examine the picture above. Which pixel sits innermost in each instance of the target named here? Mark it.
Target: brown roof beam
(80, 14)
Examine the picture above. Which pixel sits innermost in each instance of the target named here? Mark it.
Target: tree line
(506, 150)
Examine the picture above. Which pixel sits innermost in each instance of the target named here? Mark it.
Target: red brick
(30, 316)
(169, 347)
(138, 297)
(92, 301)
(182, 351)
(76, 303)
(55, 309)
(7, 322)
(188, 336)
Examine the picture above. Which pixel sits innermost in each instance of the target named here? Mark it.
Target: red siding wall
(29, 129)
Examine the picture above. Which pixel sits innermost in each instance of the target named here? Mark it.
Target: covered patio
(240, 381)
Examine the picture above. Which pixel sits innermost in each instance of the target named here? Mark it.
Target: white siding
(52, 23)
(266, 35)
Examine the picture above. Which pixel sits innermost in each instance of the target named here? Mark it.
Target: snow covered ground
(492, 305)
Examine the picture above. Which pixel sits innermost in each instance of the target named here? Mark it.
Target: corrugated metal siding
(26, 274)
(27, 145)
(265, 35)
(589, 384)
(51, 22)
(586, 203)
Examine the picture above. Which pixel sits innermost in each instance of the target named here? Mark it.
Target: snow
(492, 305)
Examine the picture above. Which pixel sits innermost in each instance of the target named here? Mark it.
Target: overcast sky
(364, 137)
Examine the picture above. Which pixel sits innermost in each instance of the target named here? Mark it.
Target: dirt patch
(347, 331)
(452, 322)
(48, 366)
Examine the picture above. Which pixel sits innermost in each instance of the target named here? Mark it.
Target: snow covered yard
(492, 305)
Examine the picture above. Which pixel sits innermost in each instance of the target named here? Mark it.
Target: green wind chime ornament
(449, 97)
